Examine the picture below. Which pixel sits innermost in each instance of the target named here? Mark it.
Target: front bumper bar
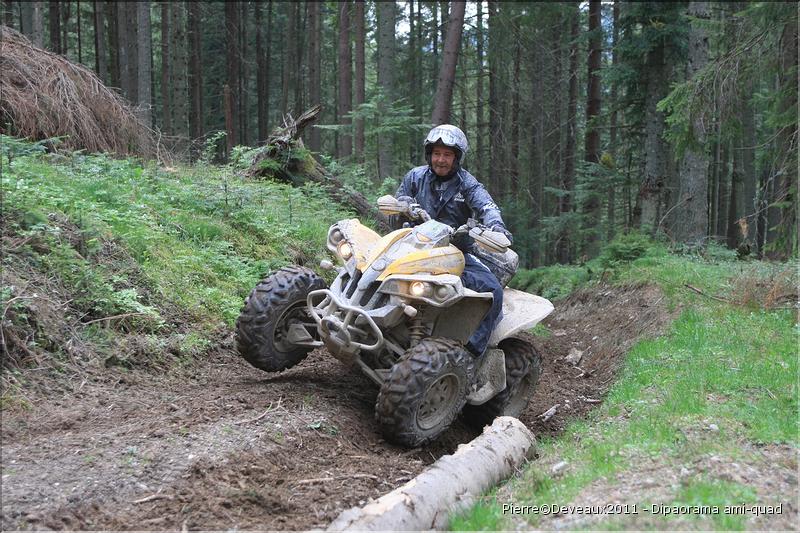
(342, 331)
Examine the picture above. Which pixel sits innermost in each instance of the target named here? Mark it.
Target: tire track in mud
(221, 445)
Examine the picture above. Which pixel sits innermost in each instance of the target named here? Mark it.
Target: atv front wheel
(425, 392)
(275, 304)
(523, 369)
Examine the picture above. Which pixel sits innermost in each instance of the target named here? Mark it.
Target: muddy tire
(425, 392)
(275, 303)
(523, 369)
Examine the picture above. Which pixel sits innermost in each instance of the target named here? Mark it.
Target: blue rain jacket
(451, 201)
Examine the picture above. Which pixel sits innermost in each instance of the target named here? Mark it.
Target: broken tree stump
(451, 484)
(285, 158)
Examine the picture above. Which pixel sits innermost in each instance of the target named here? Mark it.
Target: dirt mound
(217, 444)
(45, 96)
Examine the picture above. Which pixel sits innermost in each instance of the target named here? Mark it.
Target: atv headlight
(419, 289)
(345, 250)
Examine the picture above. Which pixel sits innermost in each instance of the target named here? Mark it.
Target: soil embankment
(217, 444)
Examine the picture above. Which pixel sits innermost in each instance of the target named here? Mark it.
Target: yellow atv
(398, 310)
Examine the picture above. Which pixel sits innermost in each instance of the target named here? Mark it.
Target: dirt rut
(220, 445)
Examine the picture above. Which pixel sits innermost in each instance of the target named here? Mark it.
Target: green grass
(167, 255)
(202, 236)
(723, 378)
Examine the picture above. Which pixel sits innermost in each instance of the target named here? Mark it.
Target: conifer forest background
(587, 121)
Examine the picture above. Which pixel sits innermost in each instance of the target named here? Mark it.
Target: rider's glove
(502, 229)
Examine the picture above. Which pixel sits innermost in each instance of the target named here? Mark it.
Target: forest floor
(216, 444)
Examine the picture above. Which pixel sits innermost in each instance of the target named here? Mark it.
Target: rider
(452, 195)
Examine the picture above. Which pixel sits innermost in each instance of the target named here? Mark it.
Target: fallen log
(285, 158)
(451, 484)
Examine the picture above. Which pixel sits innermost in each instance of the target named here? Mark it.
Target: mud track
(220, 445)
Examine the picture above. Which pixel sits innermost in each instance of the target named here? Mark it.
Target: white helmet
(450, 136)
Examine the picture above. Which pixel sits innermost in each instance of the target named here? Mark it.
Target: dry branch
(285, 158)
(44, 95)
(451, 484)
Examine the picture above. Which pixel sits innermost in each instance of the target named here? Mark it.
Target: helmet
(450, 136)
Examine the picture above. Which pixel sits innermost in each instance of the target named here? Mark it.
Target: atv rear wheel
(523, 369)
(425, 392)
(272, 307)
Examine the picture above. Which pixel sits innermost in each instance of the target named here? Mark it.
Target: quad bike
(398, 310)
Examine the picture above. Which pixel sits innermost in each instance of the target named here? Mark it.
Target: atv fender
(521, 311)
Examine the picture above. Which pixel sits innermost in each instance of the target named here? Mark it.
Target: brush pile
(44, 95)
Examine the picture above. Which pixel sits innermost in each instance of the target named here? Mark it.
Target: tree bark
(386, 53)
(233, 57)
(100, 45)
(111, 9)
(694, 166)
(591, 206)
(37, 32)
(145, 65)
(123, 49)
(345, 81)
(564, 247)
(612, 142)
(480, 121)
(314, 75)
(452, 483)
(736, 200)
(361, 63)
(195, 70)
(447, 74)
(244, 101)
(496, 151)
(55, 26)
(652, 186)
(180, 85)
(786, 187)
(166, 71)
(78, 29)
(748, 155)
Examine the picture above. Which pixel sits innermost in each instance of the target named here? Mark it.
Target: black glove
(502, 229)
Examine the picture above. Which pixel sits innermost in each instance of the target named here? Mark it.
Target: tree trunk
(480, 121)
(453, 483)
(145, 65)
(166, 71)
(233, 57)
(386, 53)
(694, 179)
(180, 85)
(195, 70)
(736, 202)
(447, 74)
(244, 104)
(26, 19)
(111, 9)
(55, 25)
(123, 49)
(345, 80)
(564, 251)
(591, 206)
(515, 97)
(722, 185)
(8, 13)
(612, 142)
(65, 16)
(314, 75)
(787, 230)
(38, 24)
(496, 151)
(78, 29)
(361, 94)
(100, 45)
(748, 156)
(652, 186)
